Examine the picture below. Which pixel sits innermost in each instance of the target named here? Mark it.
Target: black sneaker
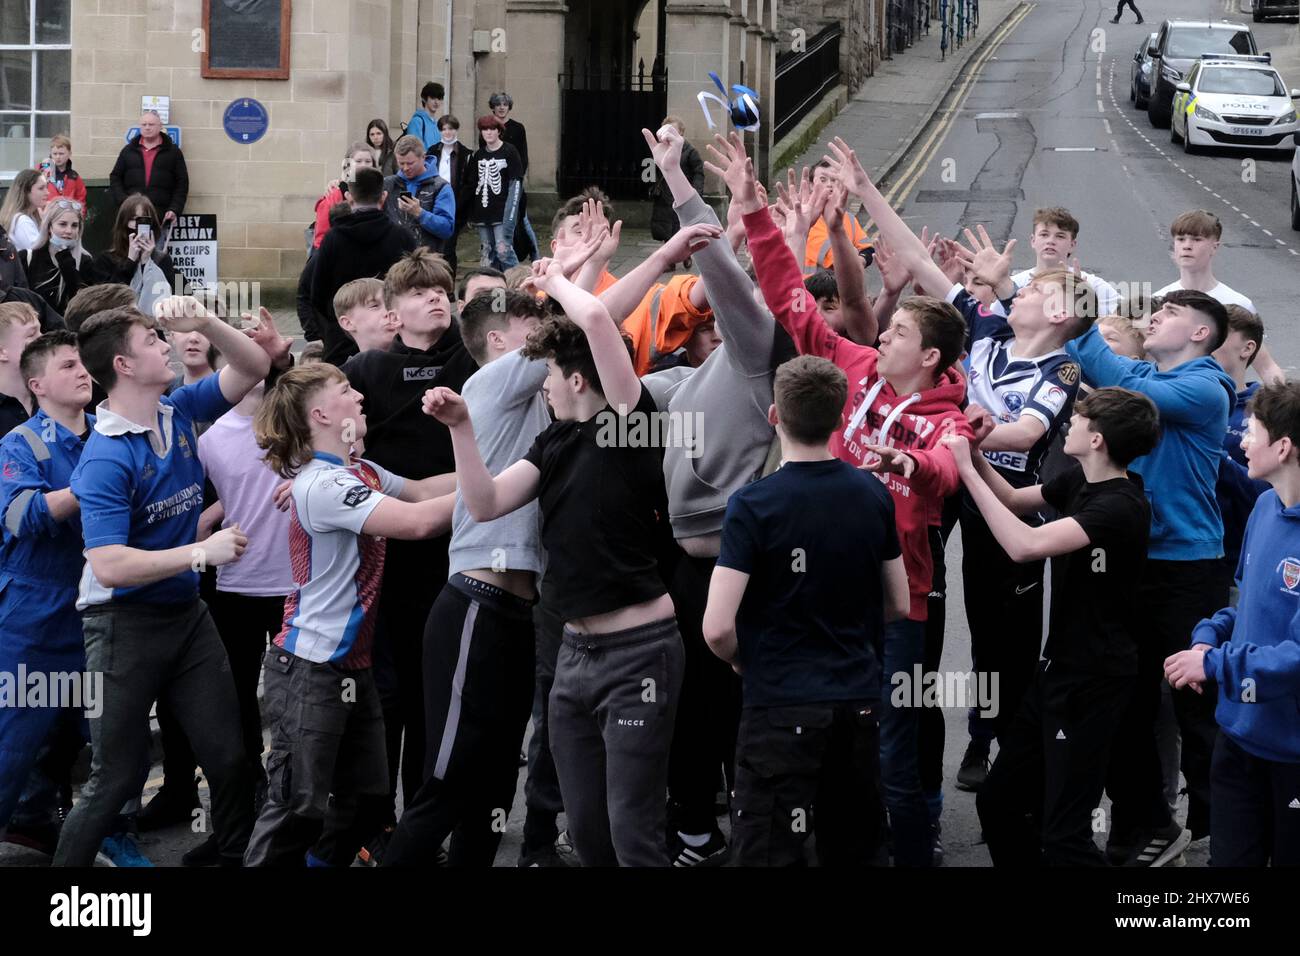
(974, 768)
(559, 853)
(936, 844)
(1160, 847)
(712, 853)
(1116, 20)
(205, 854)
(169, 806)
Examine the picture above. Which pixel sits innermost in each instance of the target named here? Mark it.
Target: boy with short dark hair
(809, 734)
(424, 121)
(139, 483)
(40, 563)
(904, 395)
(603, 511)
(1036, 805)
(1181, 583)
(1252, 653)
(479, 656)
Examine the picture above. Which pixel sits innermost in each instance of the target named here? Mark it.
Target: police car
(1233, 101)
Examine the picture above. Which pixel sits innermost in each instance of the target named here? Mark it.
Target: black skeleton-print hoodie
(492, 174)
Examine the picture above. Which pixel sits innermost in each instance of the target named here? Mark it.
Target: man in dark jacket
(450, 158)
(152, 164)
(663, 220)
(418, 199)
(366, 243)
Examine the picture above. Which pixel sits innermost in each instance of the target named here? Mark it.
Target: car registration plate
(1247, 131)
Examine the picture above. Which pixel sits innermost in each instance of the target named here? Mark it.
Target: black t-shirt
(604, 511)
(407, 442)
(1094, 590)
(491, 172)
(812, 537)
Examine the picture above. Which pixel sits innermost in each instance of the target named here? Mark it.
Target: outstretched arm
(485, 497)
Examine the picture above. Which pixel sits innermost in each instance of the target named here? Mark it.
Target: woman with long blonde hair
(57, 266)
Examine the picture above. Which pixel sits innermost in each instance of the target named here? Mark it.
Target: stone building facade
(354, 60)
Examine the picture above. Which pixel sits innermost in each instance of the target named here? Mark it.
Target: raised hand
(573, 256)
(265, 334)
(733, 165)
(181, 313)
(666, 147)
(894, 274)
(689, 240)
(445, 405)
(983, 258)
(846, 167)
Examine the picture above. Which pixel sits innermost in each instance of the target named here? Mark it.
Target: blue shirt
(144, 497)
(812, 537)
(38, 457)
(1255, 647)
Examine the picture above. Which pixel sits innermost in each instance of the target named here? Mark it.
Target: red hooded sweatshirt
(913, 422)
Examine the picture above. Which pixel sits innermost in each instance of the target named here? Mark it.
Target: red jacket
(914, 422)
(74, 187)
(323, 205)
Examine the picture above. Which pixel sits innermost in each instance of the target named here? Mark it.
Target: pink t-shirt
(246, 486)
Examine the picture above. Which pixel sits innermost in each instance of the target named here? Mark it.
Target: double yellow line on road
(903, 186)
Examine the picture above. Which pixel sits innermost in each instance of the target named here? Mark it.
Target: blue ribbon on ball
(743, 110)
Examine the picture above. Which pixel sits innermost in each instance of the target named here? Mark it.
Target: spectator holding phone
(153, 165)
(20, 214)
(135, 258)
(57, 266)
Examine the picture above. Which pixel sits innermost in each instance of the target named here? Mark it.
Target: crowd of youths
(693, 526)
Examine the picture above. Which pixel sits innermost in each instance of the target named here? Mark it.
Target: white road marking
(1100, 108)
(1106, 124)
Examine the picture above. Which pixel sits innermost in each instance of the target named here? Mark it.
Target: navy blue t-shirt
(812, 537)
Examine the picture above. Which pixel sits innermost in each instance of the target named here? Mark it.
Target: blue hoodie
(1180, 474)
(424, 126)
(1255, 647)
(1236, 490)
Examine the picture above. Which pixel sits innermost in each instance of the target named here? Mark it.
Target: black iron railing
(803, 77)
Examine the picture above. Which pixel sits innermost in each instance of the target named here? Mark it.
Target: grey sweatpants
(611, 720)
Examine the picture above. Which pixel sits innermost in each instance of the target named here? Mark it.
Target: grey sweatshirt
(726, 398)
(508, 411)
